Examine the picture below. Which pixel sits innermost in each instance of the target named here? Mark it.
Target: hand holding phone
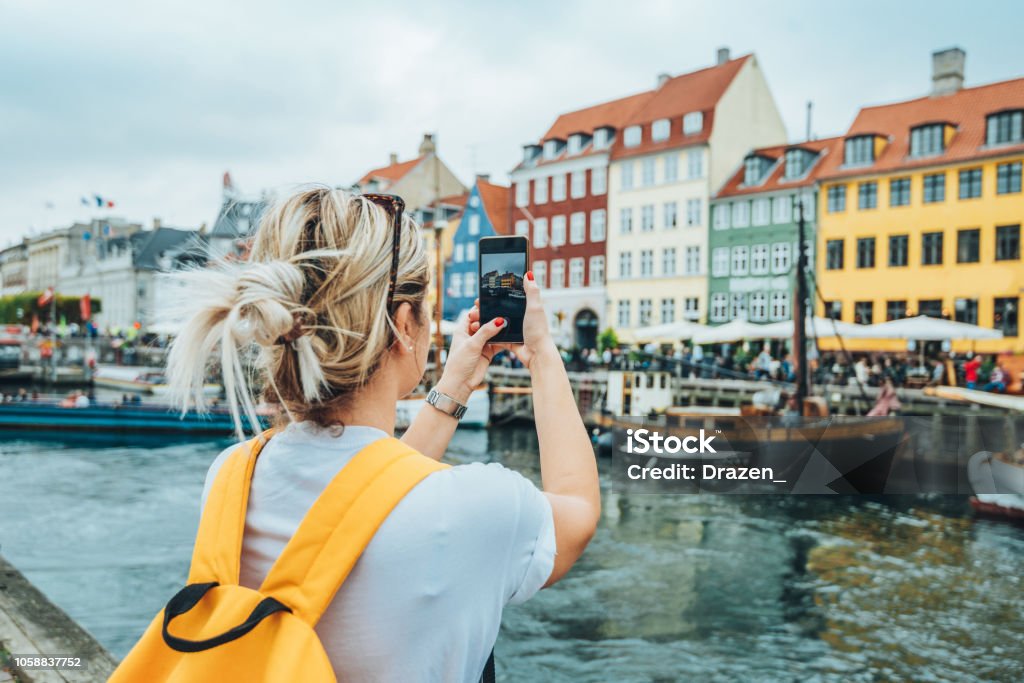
(503, 262)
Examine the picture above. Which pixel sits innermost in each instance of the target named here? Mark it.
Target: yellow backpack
(216, 630)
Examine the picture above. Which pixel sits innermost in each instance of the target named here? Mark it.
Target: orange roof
(588, 120)
(695, 91)
(966, 109)
(456, 199)
(495, 200)
(825, 147)
(394, 172)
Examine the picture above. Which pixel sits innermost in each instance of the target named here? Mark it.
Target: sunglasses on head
(394, 206)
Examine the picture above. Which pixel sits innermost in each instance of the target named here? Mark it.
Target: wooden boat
(997, 480)
(140, 380)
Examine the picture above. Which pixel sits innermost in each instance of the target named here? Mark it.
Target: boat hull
(114, 418)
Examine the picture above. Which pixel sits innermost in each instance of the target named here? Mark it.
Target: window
(557, 231)
(930, 307)
(899, 192)
(693, 212)
(691, 308)
(1007, 242)
(866, 252)
(719, 307)
(578, 184)
(1004, 316)
(551, 149)
(632, 136)
(758, 305)
(459, 250)
(540, 273)
(646, 262)
(540, 232)
(599, 180)
(833, 310)
(755, 168)
(864, 312)
(759, 259)
(695, 164)
(645, 311)
(575, 143)
(738, 306)
(968, 246)
(671, 167)
(474, 224)
(522, 193)
(576, 272)
(670, 215)
(596, 271)
(1005, 127)
(781, 257)
(470, 251)
(668, 261)
(668, 311)
(647, 172)
(970, 183)
(867, 195)
(693, 123)
(557, 274)
(966, 311)
(692, 260)
(597, 225)
(540, 191)
(602, 138)
(934, 188)
(780, 305)
(578, 228)
(626, 220)
(899, 250)
(797, 162)
(623, 312)
(834, 255)
(522, 227)
(455, 285)
(740, 260)
(927, 140)
(782, 210)
(558, 187)
(836, 198)
(722, 217)
(931, 249)
(859, 151)
(1008, 178)
(762, 210)
(626, 175)
(626, 264)
(720, 262)
(660, 130)
(895, 310)
(647, 218)
(469, 288)
(741, 214)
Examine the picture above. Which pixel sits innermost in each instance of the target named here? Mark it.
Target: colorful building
(753, 239)
(921, 212)
(682, 141)
(486, 215)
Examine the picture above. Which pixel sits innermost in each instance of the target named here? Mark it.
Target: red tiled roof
(456, 199)
(394, 172)
(825, 147)
(588, 120)
(495, 200)
(695, 91)
(966, 109)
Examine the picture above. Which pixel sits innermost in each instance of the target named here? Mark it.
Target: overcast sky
(149, 105)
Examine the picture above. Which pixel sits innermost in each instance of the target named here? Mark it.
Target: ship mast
(800, 310)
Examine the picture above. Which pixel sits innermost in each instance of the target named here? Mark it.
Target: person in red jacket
(971, 371)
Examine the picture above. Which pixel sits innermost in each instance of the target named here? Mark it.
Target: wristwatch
(446, 404)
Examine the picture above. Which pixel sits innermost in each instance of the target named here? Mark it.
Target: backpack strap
(217, 555)
(341, 523)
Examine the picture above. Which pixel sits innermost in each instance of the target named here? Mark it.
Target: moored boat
(141, 380)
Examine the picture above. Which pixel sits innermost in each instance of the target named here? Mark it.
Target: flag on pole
(85, 201)
(85, 307)
(46, 297)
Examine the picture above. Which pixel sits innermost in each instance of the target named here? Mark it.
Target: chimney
(722, 56)
(392, 159)
(157, 223)
(486, 177)
(428, 146)
(663, 79)
(947, 71)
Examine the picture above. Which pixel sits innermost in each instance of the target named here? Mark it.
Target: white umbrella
(734, 330)
(683, 329)
(816, 327)
(926, 328)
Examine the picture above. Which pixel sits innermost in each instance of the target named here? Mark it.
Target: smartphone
(503, 262)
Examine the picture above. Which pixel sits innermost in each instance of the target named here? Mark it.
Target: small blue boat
(116, 418)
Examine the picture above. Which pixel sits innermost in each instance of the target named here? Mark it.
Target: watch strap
(446, 404)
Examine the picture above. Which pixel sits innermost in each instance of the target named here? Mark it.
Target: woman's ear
(407, 324)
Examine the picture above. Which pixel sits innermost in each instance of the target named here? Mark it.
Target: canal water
(702, 588)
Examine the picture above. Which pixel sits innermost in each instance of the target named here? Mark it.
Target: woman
(331, 312)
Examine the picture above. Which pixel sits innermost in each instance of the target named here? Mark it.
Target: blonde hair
(306, 315)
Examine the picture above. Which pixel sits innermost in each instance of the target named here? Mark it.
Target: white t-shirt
(424, 601)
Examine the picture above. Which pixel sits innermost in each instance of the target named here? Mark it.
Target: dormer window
(530, 152)
(602, 138)
(797, 162)
(553, 147)
(693, 123)
(754, 169)
(660, 130)
(575, 143)
(859, 150)
(1005, 127)
(927, 140)
(632, 136)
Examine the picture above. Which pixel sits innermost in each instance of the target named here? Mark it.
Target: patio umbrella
(926, 328)
(734, 330)
(668, 332)
(816, 327)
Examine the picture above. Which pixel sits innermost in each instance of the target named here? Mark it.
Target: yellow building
(921, 214)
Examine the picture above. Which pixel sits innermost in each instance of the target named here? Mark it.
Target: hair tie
(297, 330)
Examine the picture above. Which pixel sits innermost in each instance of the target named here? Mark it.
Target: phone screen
(502, 268)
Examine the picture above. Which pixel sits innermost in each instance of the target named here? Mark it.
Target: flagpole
(53, 335)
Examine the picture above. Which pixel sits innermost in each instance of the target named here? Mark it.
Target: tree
(19, 308)
(607, 340)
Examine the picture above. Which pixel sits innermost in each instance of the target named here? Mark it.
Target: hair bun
(266, 302)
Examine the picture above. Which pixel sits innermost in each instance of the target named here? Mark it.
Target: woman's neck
(372, 406)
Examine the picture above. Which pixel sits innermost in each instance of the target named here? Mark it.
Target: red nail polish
(500, 322)
(529, 275)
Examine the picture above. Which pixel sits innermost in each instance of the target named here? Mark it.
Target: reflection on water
(704, 587)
